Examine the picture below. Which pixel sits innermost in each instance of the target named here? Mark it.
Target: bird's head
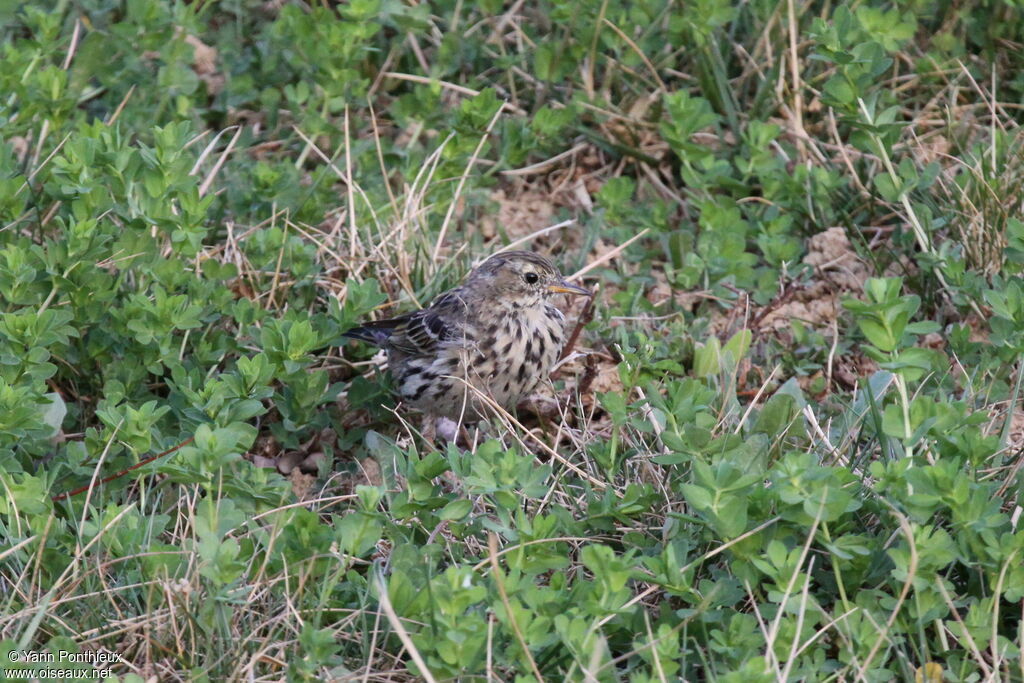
(521, 279)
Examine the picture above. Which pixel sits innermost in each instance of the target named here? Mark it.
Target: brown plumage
(498, 332)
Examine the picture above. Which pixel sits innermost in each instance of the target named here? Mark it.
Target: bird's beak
(563, 287)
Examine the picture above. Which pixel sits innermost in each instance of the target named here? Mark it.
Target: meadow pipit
(497, 334)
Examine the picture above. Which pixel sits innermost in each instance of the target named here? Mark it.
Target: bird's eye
(531, 278)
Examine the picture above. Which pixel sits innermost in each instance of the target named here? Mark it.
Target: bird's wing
(421, 332)
(440, 324)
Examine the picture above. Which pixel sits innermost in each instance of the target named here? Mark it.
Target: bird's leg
(448, 431)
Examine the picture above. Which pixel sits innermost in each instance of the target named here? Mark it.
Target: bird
(498, 334)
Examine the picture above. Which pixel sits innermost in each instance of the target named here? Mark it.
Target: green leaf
(455, 510)
(54, 412)
(707, 359)
(737, 345)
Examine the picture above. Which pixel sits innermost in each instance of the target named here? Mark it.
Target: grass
(785, 444)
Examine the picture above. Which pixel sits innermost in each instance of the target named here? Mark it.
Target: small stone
(289, 461)
(311, 464)
(371, 469)
(263, 461)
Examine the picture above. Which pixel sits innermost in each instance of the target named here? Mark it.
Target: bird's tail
(375, 334)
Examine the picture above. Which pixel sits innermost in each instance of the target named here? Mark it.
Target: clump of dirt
(838, 272)
(204, 63)
(302, 484)
(530, 197)
(519, 213)
(933, 148)
(20, 146)
(606, 377)
(831, 253)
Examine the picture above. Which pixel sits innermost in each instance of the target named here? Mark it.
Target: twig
(462, 90)
(537, 233)
(112, 477)
(783, 297)
(208, 180)
(585, 317)
(607, 257)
